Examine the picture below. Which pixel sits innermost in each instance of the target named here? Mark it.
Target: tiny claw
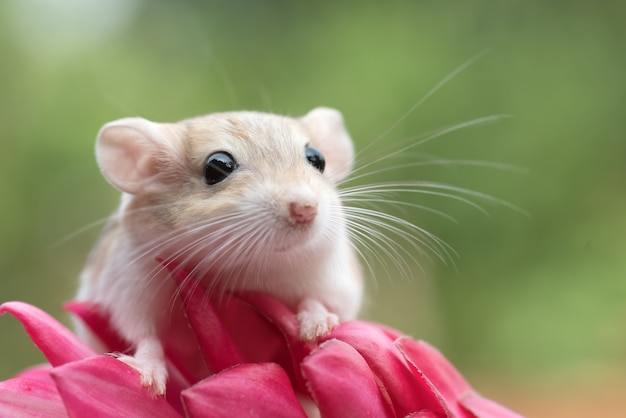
(315, 321)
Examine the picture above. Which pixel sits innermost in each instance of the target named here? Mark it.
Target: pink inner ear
(126, 155)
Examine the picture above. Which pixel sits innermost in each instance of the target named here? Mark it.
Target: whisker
(149, 248)
(445, 162)
(102, 221)
(192, 249)
(395, 188)
(359, 218)
(376, 199)
(80, 231)
(148, 251)
(483, 196)
(427, 239)
(429, 137)
(427, 96)
(434, 188)
(373, 239)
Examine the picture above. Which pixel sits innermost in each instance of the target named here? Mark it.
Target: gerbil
(244, 200)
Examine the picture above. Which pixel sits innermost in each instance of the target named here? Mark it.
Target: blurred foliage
(535, 299)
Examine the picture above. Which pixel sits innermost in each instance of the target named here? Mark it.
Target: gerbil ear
(128, 152)
(329, 135)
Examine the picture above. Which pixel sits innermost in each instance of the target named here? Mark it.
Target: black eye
(315, 158)
(218, 166)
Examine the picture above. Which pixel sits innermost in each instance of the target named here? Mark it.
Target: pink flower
(240, 357)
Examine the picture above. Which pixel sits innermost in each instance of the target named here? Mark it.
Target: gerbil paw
(314, 325)
(153, 374)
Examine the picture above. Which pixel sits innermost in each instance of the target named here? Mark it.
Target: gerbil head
(230, 191)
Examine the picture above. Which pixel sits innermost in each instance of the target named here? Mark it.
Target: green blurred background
(534, 312)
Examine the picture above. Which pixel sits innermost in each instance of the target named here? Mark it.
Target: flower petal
(247, 390)
(342, 383)
(284, 320)
(257, 338)
(485, 408)
(98, 322)
(443, 378)
(181, 352)
(217, 347)
(276, 312)
(39, 372)
(435, 366)
(55, 341)
(407, 393)
(270, 332)
(105, 387)
(24, 397)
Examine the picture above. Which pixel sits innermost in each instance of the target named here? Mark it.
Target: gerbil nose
(302, 213)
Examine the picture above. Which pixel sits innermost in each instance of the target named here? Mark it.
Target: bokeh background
(534, 311)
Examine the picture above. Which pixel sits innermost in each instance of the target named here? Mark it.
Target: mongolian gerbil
(244, 200)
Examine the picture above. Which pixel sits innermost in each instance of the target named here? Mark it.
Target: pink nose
(302, 213)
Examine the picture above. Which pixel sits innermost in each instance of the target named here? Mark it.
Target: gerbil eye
(218, 166)
(315, 158)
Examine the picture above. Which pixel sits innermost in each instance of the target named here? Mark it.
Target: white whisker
(386, 221)
(444, 162)
(438, 133)
(81, 231)
(399, 203)
(428, 95)
(373, 240)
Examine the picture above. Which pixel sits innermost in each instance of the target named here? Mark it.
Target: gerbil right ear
(128, 151)
(329, 135)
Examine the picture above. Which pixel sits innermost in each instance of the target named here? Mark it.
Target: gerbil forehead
(248, 136)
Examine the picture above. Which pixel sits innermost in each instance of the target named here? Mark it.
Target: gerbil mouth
(297, 237)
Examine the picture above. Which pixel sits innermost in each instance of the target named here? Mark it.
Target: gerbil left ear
(129, 151)
(329, 135)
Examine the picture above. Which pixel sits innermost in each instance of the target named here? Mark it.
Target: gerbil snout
(301, 204)
(302, 213)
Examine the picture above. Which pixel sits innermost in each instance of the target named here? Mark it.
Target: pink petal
(443, 378)
(23, 397)
(284, 320)
(39, 372)
(55, 341)
(275, 312)
(270, 332)
(406, 392)
(257, 338)
(391, 333)
(105, 387)
(342, 383)
(217, 348)
(98, 322)
(182, 350)
(181, 365)
(435, 366)
(486, 408)
(247, 390)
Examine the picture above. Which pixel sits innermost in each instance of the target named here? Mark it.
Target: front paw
(315, 321)
(153, 374)
(313, 327)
